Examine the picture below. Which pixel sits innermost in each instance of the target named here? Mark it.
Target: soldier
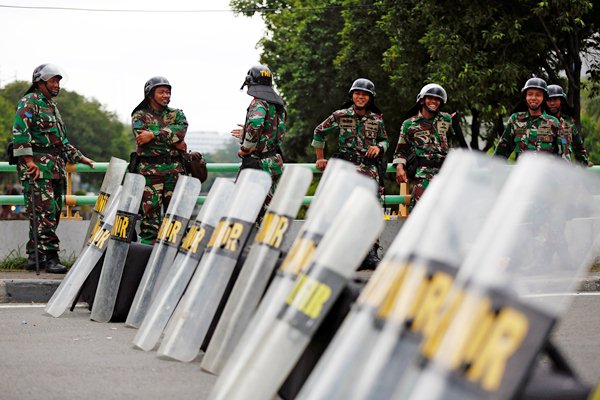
(533, 129)
(261, 136)
(361, 136)
(159, 132)
(42, 148)
(572, 141)
(424, 141)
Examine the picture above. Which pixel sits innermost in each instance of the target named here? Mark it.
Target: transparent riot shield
(427, 235)
(169, 237)
(252, 281)
(533, 249)
(326, 206)
(118, 247)
(187, 328)
(190, 253)
(342, 249)
(112, 180)
(69, 287)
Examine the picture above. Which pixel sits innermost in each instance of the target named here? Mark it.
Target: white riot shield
(187, 328)
(118, 247)
(187, 259)
(536, 244)
(342, 249)
(325, 207)
(69, 287)
(169, 237)
(257, 269)
(112, 180)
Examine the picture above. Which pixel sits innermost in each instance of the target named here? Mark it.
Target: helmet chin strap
(429, 110)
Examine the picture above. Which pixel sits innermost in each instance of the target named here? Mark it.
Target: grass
(16, 260)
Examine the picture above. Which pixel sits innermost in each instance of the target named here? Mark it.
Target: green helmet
(556, 91)
(535, 83)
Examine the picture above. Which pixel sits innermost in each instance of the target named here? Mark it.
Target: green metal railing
(101, 167)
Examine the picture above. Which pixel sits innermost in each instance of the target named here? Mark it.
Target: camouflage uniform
(355, 135)
(263, 134)
(429, 140)
(39, 131)
(159, 163)
(530, 133)
(572, 142)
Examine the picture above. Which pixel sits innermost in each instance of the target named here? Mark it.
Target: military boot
(30, 266)
(372, 259)
(53, 265)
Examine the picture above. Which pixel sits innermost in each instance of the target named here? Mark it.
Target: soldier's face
(534, 98)
(360, 99)
(51, 87)
(162, 95)
(432, 103)
(553, 104)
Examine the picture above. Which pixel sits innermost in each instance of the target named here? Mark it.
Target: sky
(108, 56)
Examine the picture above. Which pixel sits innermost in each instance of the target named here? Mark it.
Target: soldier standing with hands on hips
(362, 139)
(42, 148)
(159, 132)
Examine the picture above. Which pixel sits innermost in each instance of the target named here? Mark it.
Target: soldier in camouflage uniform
(362, 140)
(424, 141)
(42, 148)
(572, 141)
(159, 131)
(261, 136)
(533, 129)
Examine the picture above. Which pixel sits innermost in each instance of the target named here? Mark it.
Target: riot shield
(112, 180)
(426, 235)
(341, 251)
(169, 237)
(325, 207)
(118, 247)
(534, 247)
(252, 281)
(69, 287)
(191, 320)
(190, 253)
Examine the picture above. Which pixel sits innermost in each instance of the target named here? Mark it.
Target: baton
(34, 220)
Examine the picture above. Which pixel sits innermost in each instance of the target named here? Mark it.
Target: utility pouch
(12, 160)
(134, 160)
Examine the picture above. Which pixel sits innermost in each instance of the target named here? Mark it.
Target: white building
(207, 142)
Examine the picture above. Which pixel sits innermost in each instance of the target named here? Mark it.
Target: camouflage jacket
(39, 131)
(159, 157)
(355, 134)
(530, 133)
(572, 141)
(428, 139)
(264, 127)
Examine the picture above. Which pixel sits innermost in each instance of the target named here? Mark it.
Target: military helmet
(154, 82)
(259, 75)
(44, 72)
(535, 83)
(363, 84)
(556, 91)
(433, 90)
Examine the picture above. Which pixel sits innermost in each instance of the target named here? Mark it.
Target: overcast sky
(110, 55)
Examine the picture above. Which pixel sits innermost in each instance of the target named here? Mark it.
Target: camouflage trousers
(418, 188)
(155, 200)
(274, 167)
(48, 205)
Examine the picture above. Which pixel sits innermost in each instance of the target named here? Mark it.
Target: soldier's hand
(321, 164)
(242, 152)
(401, 174)
(87, 161)
(237, 132)
(181, 146)
(32, 169)
(372, 151)
(144, 137)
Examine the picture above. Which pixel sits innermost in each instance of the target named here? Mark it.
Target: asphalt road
(72, 357)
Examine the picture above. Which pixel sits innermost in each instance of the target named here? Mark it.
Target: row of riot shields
(460, 307)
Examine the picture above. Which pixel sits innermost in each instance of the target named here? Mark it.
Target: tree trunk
(475, 129)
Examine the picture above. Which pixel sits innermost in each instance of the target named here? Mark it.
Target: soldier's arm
(21, 129)
(318, 141)
(254, 126)
(175, 131)
(403, 150)
(579, 147)
(506, 144)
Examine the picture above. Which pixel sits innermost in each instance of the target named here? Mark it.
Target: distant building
(207, 142)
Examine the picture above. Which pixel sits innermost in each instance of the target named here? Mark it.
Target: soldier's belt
(160, 159)
(55, 151)
(423, 162)
(356, 158)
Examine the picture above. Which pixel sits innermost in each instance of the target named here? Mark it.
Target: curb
(40, 290)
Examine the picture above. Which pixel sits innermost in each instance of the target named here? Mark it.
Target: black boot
(372, 259)
(30, 266)
(53, 265)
